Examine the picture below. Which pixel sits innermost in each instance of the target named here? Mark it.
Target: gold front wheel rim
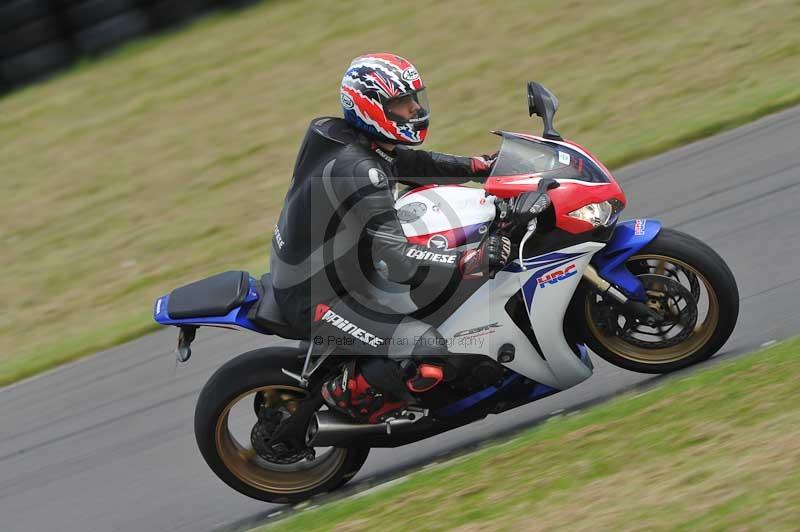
(244, 463)
(702, 333)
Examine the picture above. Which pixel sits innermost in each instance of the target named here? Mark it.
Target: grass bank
(717, 450)
(168, 161)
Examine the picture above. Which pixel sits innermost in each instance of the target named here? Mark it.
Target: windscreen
(521, 156)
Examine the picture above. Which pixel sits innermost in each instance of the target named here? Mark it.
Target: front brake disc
(677, 307)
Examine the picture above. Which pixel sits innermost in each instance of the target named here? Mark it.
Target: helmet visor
(411, 108)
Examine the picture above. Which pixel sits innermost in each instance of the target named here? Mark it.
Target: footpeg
(408, 416)
(185, 339)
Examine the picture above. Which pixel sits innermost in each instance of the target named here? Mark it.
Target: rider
(338, 222)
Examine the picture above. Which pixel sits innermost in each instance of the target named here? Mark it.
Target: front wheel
(688, 286)
(241, 406)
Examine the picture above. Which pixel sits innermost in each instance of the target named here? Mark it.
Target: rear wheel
(692, 291)
(239, 410)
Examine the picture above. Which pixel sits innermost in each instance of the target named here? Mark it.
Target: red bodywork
(569, 196)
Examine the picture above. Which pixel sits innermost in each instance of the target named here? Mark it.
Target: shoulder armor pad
(369, 173)
(334, 129)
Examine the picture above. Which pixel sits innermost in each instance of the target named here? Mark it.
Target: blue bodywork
(235, 318)
(513, 387)
(628, 239)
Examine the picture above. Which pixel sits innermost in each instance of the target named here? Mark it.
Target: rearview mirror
(544, 103)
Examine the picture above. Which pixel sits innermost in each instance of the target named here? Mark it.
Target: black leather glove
(492, 254)
(529, 205)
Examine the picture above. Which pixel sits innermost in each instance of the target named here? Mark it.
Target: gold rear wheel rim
(243, 461)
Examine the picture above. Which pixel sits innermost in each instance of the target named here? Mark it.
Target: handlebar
(524, 213)
(547, 183)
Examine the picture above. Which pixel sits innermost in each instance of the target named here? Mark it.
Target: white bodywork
(560, 368)
(481, 324)
(446, 208)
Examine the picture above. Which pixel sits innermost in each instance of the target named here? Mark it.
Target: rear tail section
(233, 300)
(222, 300)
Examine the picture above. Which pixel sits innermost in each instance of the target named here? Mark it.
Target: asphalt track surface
(107, 444)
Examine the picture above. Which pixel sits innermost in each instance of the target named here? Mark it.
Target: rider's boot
(425, 378)
(378, 388)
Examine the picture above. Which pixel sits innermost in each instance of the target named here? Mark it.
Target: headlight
(596, 214)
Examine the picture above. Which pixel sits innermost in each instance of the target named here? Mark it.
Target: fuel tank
(445, 217)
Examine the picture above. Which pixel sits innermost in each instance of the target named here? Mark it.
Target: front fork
(629, 237)
(636, 309)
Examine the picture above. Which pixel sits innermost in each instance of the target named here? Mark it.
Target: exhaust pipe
(327, 429)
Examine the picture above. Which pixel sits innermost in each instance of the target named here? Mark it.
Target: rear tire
(244, 469)
(713, 288)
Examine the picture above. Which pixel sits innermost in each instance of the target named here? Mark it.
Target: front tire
(226, 434)
(693, 290)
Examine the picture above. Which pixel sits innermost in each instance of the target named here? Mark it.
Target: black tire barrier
(110, 33)
(35, 64)
(17, 13)
(234, 4)
(166, 13)
(80, 15)
(31, 35)
(38, 36)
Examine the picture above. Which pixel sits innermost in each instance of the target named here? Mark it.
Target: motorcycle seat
(266, 313)
(213, 296)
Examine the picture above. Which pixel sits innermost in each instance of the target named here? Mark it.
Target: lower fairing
(482, 324)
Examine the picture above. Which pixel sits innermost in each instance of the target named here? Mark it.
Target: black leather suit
(338, 222)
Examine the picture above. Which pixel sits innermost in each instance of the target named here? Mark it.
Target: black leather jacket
(338, 220)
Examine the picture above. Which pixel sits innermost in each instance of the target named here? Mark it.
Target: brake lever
(541, 204)
(529, 233)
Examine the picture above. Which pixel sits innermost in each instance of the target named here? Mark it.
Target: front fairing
(530, 155)
(524, 160)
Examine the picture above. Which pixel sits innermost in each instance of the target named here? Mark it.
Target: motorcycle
(643, 297)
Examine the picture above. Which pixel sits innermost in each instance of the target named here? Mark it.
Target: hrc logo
(556, 276)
